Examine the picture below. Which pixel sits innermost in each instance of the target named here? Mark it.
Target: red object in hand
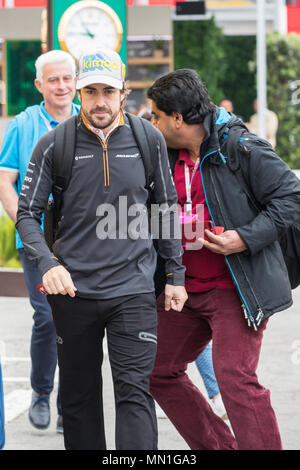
(216, 229)
(192, 229)
(41, 289)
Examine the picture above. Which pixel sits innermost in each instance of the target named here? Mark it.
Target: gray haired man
(55, 80)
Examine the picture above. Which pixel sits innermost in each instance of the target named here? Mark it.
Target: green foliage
(221, 61)
(8, 252)
(283, 59)
(227, 65)
(239, 82)
(199, 45)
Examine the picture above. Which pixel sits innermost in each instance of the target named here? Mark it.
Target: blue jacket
(20, 139)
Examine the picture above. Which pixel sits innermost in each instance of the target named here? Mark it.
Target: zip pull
(246, 315)
(250, 320)
(259, 316)
(222, 156)
(253, 323)
(245, 311)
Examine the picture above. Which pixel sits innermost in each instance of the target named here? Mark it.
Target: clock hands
(78, 33)
(88, 33)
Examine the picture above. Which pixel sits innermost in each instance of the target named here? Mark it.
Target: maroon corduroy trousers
(215, 315)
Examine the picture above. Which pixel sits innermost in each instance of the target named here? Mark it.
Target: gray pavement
(279, 370)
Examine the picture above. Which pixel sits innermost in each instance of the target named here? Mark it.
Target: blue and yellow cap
(101, 66)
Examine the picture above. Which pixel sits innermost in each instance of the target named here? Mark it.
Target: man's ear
(122, 96)
(38, 85)
(178, 119)
(79, 95)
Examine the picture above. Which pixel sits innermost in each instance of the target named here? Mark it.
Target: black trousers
(131, 324)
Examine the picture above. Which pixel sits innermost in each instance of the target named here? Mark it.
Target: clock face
(88, 25)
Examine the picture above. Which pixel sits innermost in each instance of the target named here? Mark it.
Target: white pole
(261, 67)
(280, 24)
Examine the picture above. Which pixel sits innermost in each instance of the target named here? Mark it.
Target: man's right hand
(175, 297)
(58, 281)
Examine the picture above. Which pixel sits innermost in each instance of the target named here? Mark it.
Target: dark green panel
(21, 91)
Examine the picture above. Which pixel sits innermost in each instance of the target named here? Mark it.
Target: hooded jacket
(259, 273)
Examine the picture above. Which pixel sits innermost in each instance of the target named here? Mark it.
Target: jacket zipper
(239, 260)
(247, 313)
(105, 161)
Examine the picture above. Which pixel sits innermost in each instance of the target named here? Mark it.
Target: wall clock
(89, 24)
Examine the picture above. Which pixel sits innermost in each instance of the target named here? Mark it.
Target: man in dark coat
(236, 279)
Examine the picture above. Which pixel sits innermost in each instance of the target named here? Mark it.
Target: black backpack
(65, 144)
(290, 241)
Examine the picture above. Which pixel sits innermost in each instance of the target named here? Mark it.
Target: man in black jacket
(100, 275)
(236, 280)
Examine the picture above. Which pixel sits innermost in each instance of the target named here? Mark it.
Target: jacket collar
(83, 121)
(215, 125)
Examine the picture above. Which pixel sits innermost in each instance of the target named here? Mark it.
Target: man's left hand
(225, 244)
(175, 297)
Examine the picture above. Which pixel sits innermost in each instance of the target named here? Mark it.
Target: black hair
(182, 92)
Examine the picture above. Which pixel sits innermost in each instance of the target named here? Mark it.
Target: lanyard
(46, 121)
(188, 184)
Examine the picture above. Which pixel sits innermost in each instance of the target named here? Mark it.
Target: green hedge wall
(199, 45)
(283, 59)
(227, 65)
(221, 61)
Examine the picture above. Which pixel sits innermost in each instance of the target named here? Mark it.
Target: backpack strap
(63, 156)
(145, 137)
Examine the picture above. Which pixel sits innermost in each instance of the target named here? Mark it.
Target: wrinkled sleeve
(277, 189)
(33, 198)
(164, 217)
